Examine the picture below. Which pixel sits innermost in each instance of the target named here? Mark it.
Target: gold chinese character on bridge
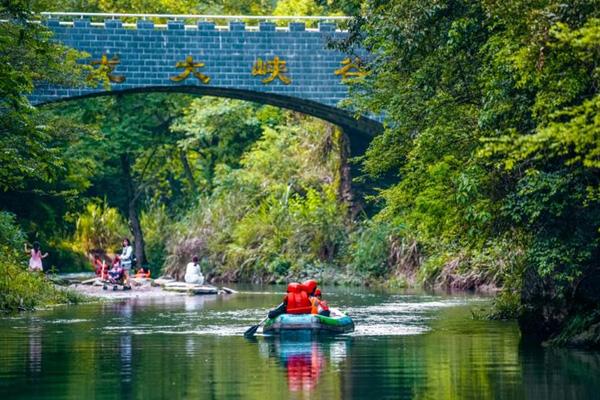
(275, 68)
(104, 70)
(350, 69)
(190, 67)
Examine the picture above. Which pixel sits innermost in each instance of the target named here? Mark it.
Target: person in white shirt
(193, 274)
(126, 261)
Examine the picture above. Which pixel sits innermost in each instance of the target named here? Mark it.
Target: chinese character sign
(104, 70)
(273, 69)
(190, 67)
(350, 68)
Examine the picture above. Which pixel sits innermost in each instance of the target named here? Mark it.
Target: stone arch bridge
(248, 58)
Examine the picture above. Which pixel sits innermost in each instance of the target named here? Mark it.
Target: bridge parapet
(192, 21)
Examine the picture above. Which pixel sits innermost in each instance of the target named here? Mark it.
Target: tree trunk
(188, 171)
(134, 220)
(345, 191)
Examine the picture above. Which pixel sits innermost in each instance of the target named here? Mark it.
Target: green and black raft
(335, 324)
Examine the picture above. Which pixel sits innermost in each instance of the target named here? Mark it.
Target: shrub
(99, 227)
(19, 288)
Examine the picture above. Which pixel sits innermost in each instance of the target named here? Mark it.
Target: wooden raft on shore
(170, 285)
(189, 288)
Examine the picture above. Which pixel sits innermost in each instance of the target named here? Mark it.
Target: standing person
(35, 262)
(126, 261)
(193, 274)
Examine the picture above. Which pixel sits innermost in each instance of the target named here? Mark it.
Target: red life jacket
(297, 300)
(310, 286)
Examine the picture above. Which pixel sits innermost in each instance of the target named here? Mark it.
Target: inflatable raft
(338, 323)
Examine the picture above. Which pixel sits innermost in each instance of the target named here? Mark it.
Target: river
(406, 346)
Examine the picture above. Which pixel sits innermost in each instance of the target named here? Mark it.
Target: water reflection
(305, 357)
(567, 373)
(197, 303)
(193, 348)
(125, 311)
(35, 348)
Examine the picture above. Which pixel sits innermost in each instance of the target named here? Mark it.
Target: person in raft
(193, 274)
(297, 299)
(126, 261)
(36, 256)
(319, 306)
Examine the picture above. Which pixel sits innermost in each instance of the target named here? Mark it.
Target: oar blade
(251, 331)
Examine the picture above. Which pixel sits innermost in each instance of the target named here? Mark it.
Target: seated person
(100, 266)
(116, 274)
(143, 272)
(193, 274)
(296, 301)
(310, 286)
(319, 306)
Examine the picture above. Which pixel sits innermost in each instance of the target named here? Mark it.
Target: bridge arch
(290, 67)
(360, 130)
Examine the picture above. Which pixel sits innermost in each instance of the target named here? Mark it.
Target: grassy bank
(20, 289)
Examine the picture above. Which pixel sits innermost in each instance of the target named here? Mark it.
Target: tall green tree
(131, 134)
(491, 139)
(216, 131)
(28, 56)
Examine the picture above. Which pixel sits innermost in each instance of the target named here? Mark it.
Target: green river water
(413, 346)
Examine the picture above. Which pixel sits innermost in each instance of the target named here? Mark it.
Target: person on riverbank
(142, 272)
(116, 274)
(36, 256)
(193, 273)
(126, 261)
(100, 267)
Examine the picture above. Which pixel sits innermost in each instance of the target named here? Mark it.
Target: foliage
(20, 289)
(298, 7)
(369, 248)
(276, 212)
(491, 138)
(216, 131)
(99, 228)
(156, 224)
(28, 56)
(214, 7)
(37, 179)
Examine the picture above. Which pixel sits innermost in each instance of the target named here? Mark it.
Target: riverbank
(141, 292)
(448, 282)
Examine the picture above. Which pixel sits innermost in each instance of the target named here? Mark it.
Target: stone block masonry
(206, 59)
(147, 57)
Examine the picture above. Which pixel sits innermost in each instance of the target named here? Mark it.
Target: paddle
(280, 309)
(252, 330)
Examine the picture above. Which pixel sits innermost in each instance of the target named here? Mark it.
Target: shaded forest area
(486, 176)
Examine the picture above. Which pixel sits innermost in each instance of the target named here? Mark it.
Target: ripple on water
(389, 330)
(209, 330)
(397, 318)
(400, 316)
(67, 321)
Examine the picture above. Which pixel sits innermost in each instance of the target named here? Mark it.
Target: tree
(131, 131)
(216, 131)
(491, 139)
(29, 56)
